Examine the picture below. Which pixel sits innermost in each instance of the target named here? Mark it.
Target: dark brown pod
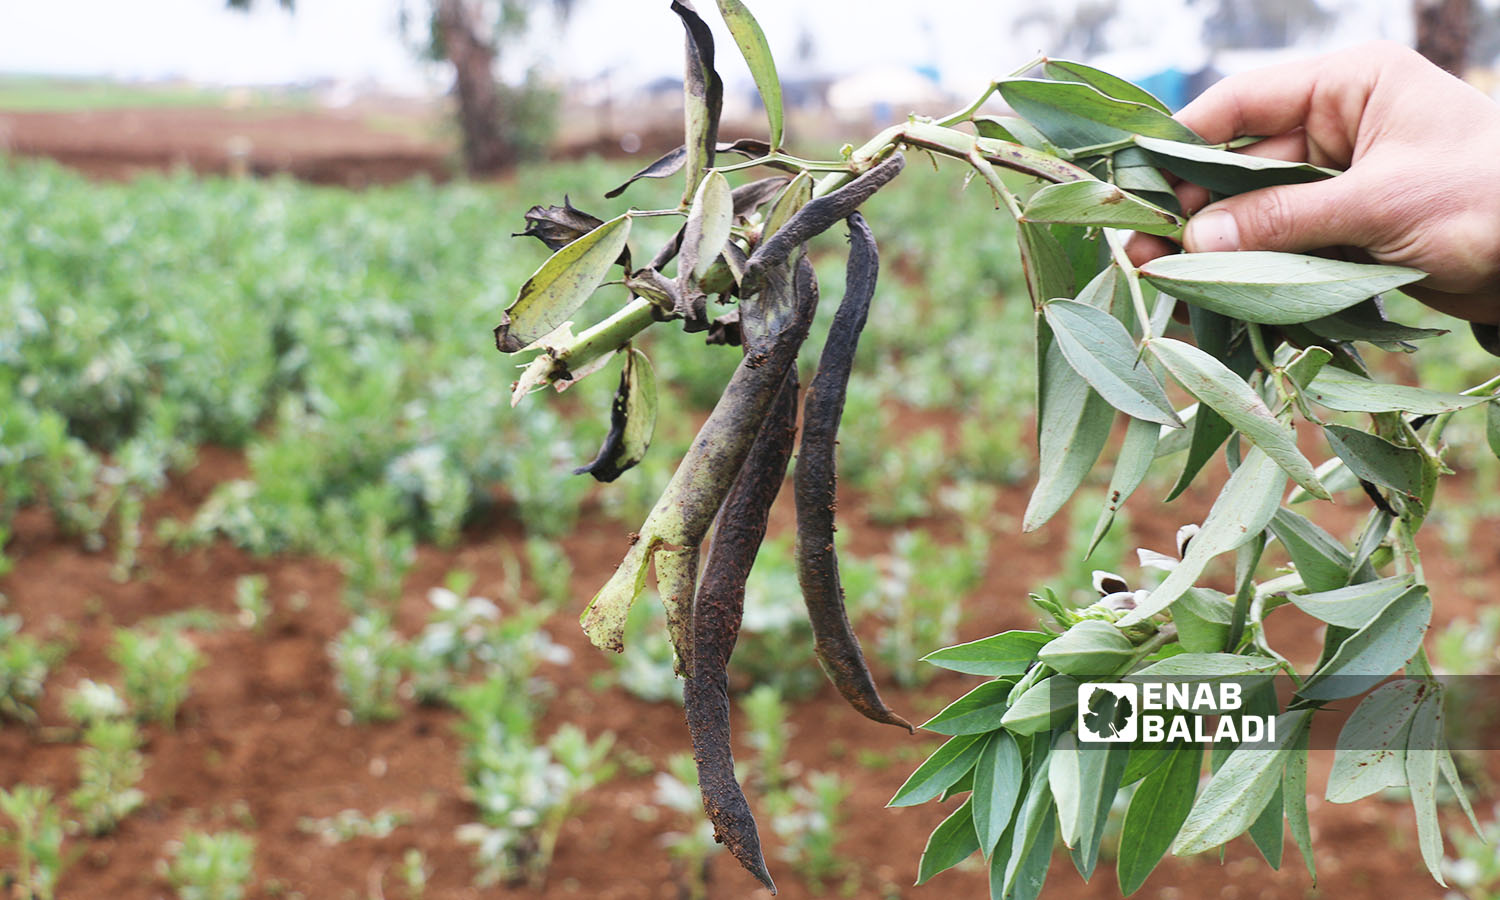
(717, 612)
(816, 479)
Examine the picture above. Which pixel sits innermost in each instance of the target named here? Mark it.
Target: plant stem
(1132, 280)
(1258, 344)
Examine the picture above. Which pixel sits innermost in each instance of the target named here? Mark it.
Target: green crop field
(391, 518)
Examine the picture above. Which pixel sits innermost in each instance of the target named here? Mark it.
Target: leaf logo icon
(1108, 713)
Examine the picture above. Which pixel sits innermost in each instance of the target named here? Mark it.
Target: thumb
(1291, 218)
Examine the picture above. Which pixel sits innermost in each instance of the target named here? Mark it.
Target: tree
(469, 34)
(1443, 32)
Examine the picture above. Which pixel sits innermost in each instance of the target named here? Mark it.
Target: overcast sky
(967, 42)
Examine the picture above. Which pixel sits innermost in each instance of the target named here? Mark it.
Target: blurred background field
(288, 589)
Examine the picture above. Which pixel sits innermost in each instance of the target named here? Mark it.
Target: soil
(262, 742)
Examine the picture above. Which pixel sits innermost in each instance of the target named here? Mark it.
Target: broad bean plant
(1275, 345)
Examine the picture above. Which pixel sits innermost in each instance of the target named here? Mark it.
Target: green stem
(1258, 344)
(968, 112)
(609, 335)
(1132, 280)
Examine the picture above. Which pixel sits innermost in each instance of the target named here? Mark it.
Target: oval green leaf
(1099, 203)
(757, 52)
(1373, 652)
(942, 769)
(998, 778)
(1213, 384)
(952, 842)
(1010, 653)
(1099, 348)
(1105, 83)
(1076, 116)
(977, 712)
(560, 286)
(1156, 813)
(1240, 789)
(708, 225)
(1272, 288)
(1225, 172)
(1087, 649)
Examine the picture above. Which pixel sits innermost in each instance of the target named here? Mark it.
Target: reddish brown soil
(260, 742)
(316, 145)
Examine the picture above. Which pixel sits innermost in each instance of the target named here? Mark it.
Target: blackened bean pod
(816, 217)
(717, 612)
(816, 478)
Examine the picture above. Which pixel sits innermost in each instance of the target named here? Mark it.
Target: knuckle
(1266, 218)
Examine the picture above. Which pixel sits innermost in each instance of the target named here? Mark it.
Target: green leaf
(1088, 649)
(1075, 116)
(1156, 813)
(1010, 653)
(1074, 427)
(1099, 203)
(1367, 322)
(793, 197)
(757, 52)
(1099, 348)
(1272, 288)
(1137, 453)
(1203, 618)
(1210, 668)
(1065, 779)
(1294, 796)
(1049, 272)
(1213, 335)
(1353, 606)
(1422, 748)
(1035, 709)
(1375, 459)
(951, 762)
(1014, 130)
(977, 712)
(1226, 172)
(1100, 767)
(1321, 561)
(559, 287)
(1103, 82)
(1214, 385)
(952, 842)
(1240, 789)
(1347, 392)
(998, 778)
(1492, 427)
(1243, 509)
(1371, 751)
(1305, 366)
(1030, 851)
(1456, 784)
(708, 224)
(1375, 651)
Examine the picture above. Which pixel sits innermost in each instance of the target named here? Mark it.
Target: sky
(967, 42)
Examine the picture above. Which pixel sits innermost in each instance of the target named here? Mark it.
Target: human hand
(1422, 186)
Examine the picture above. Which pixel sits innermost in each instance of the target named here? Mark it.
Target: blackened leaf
(751, 196)
(561, 285)
(632, 420)
(667, 165)
(702, 96)
(558, 226)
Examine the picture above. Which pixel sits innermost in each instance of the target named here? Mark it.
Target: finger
(1291, 218)
(1192, 197)
(1289, 147)
(1272, 100)
(1142, 248)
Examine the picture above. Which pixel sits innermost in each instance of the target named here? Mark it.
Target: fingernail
(1212, 230)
